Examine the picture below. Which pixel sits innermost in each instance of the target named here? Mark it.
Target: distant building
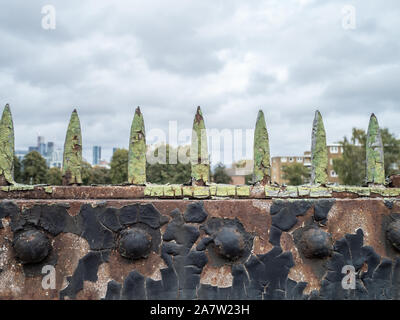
(96, 155)
(103, 164)
(41, 145)
(52, 156)
(56, 158)
(42, 148)
(277, 164)
(239, 170)
(50, 149)
(20, 154)
(334, 151)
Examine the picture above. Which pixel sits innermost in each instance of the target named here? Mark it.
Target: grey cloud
(229, 57)
(260, 83)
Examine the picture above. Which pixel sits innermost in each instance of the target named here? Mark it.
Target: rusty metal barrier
(199, 241)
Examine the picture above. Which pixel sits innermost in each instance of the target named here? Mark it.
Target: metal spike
(199, 151)
(262, 161)
(6, 148)
(72, 160)
(319, 152)
(137, 150)
(375, 153)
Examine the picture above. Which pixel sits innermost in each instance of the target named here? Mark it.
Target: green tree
(220, 175)
(100, 175)
(87, 173)
(351, 166)
(296, 174)
(165, 172)
(248, 179)
(94, 175)
(54, 176)
(119, 166)
(34, 168)
(17, 170)
(391, 147)
(161, 173)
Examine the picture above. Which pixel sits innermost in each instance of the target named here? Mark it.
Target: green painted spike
(137, 150)
(262, 161)
(319, 152)
(199, 151)
(72, 161)
(374, 153)
(6, 147)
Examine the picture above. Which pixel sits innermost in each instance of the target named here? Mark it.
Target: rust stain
(257, 192)
(254, 219)
(395, 181)
(12, 278)
(166, 206)
(217, 276)
(261, 244)
(74, 209)
(121, 267)
(347, 216)
(301, 272)
(70, 249)
(96, 290)
(301, 220)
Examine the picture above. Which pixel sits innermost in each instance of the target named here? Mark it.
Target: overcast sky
(231, 57)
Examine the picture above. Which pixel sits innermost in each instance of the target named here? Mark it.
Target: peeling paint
(217, 276)
(243, 191)
(226, 190)
(375, 155)
(137, 150)
(48, 189)
(320, 192)
(271, 191)
(288, 192)
(262, 161)
(201, 192)
(319, 152)
(7, 146)
(187, 261)
(18, 187)
(199, 151)
(72, 160)
(187, 191)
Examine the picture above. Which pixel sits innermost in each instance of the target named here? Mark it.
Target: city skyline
(246, 145)
(20, 152)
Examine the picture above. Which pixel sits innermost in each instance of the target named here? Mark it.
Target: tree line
(350, 167)
(33, 169)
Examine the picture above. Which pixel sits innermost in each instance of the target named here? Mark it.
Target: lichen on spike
(319, 152)
(262, 162)
(72, 160)
(137, 150)
(375, 154)
(6, 148)
(199, 151)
